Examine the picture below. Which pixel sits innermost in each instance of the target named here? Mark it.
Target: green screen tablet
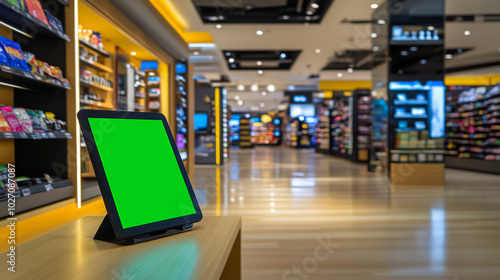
(142, 178)
(142, 171)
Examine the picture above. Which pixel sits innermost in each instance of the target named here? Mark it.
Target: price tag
(67, 86)
(28, 75)
(49, 187)
(68, 135)
(58, 83)
(38, 78)
(44, 135)
(23, 135)
(51, 135)
(6, 68)
(26, 192)
(36, 136)
(9, 135)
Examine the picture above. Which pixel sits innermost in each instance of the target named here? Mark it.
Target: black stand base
(106, 233)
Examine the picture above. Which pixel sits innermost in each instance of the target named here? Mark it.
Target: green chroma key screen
(142, 171)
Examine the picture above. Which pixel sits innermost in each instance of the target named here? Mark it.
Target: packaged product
(24, 120)
(41, 116)
(14, 2)
(31, 61)
(35, 121)
(14, 54)
(4, 125)
(11, 118)
(3, 56)
(51, 121)
(54, 22)
(36, 10)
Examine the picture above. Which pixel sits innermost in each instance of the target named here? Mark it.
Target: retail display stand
(323, 132)
(153, 91)
(301, 133)
(245, 131)
(341, 127)
(35, 153)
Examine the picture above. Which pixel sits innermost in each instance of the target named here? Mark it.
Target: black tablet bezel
(120, 232)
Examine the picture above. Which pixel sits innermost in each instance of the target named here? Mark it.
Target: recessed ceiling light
(375, 48)
(259, 63)
(231, 60)
(233, 65)
(374, 35)
(283, 55)
(404, 53)
(350, 70)
(467, 32)
(414, 49)
(240, 102)
(218, 26)
(246, 116)
(317, 51)
(315, 5)
(264, 93)
(212, 18)
(431, 28)
(448, 56)
(237, 97)
(133, 53)
(271, 88)
(241, 87)
(254, 87)
(308, 18)
(339, 75)
(196, 53)
(374, 6)
(381, 21)
(262, 105)
(423, 61)
(259, 32)
(285, 17)
(221, 17)
(309, 13)
(228, 53)
(260, 72)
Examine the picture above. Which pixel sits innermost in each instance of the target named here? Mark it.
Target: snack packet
(41, 116)
(4, 125)
(11, 118)
(24, 120)
(35, 121)
(14, 54)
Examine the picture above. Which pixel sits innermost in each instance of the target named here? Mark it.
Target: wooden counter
(211, 250)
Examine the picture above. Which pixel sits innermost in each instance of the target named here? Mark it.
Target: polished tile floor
(313, 216)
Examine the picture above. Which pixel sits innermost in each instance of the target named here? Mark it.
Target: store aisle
(312, 216)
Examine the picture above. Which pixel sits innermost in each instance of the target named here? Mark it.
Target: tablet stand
(106, 233)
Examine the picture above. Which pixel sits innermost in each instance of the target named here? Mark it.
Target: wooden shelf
(93, 48)
(17, 20)
(96, 86)
(96, 65)
(96, 104)
(16, 78)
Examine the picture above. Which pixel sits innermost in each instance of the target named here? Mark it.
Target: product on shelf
(35, 9)
(14, 2)
(35, 121)
(14, 54)
(4, 125)
(24, 120)
(154, 105)
(11, 118)
(54, 22)
(154, 92)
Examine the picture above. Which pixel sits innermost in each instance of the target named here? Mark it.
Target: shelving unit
(244, 133)
(140, 91)
(182, 119)
(341, 127)
(473, 130)
(323, 132)
(37, 153)
(362, 124)
(301, 133)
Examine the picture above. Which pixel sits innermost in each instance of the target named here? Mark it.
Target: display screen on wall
(306, 110)
(180, 68)
(200, 121)
(149, 65)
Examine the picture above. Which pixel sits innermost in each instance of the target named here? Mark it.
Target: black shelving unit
(341, 127)
(323, 132)
(245, 131)
(362, 125)
(39, 153)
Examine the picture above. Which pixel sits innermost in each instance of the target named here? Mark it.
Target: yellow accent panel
(164, 88)
(485, 80)
(328, 94)
(344, 85)
(217, 126)
(179, 24)
(39, 225)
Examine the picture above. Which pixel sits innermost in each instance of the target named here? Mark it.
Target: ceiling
(321, 44)
(260, 59)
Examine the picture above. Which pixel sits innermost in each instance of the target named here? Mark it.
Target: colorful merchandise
(41, 116)
(31, 61)
(11, 118)
(54, 22)
(154, 92)
(3, 55)
(24, 120)
(35, 121)
(36, 10)
(4, 125)
(14, 2)
(14, 54)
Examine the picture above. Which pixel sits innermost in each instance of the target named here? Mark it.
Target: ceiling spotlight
(423, 61)
(246, 116)
(375, 48)
(308, 18)
(262, 105)
(283, 55)
(254, 87)
(414, 49)
(259, 32)
(240, 102)
(264, 93)
(314, 5)
(233, 65)
(381, 21)
(374, 6)
(221, 17)
(431, 28)
(271, 88)
(133, 53)
(237, 97)
(259, 63)
(374, 35)
(285, 17)
(196, 53)
(404, 53)
(350, 70)
(260, 72)
(228, 53)
(241, 87)
(317, 51)
(339, 75)
(218, 26)
(309, 13)
(467, 32)
(448, 56)
(231, 60)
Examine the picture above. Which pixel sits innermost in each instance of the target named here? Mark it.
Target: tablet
(140, 173)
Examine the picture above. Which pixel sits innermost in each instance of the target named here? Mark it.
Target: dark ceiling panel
(262, 11)
(260, 59)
